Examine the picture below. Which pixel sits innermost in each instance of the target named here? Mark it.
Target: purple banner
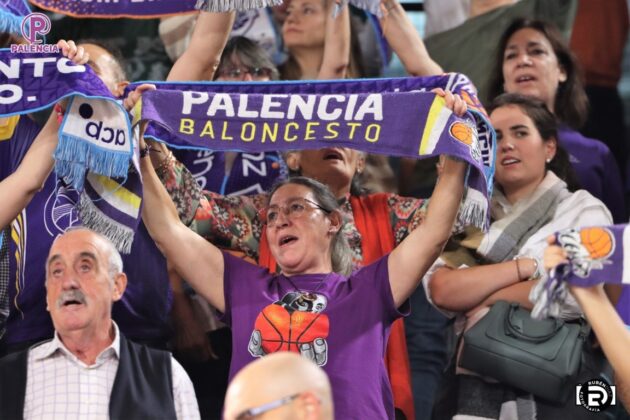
(143, 9)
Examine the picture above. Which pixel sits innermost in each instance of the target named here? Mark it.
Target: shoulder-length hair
(571, 102)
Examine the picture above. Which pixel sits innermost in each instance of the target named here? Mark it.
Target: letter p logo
(33, 25)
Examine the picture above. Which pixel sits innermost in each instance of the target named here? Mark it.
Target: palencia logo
(595, 395)
(99, 121)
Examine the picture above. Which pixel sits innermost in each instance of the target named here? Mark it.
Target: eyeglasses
(237, 73)
(293, 210)
(257, 411)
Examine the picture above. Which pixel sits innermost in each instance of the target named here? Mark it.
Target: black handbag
(540, 357)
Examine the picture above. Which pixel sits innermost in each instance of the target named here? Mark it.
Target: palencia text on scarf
(263, 118)
(30, 67)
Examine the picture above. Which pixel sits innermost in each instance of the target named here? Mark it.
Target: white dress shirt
(60, 386)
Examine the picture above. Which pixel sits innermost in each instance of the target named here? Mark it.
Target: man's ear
(120, 284)
(293, 161)
(120, 88)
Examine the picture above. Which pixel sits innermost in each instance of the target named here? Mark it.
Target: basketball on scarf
(462, 132)
(597, 241)
(282, 330)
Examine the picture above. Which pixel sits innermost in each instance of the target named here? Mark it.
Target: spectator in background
(231, 173)
(282, 385)
(470, 48)
(95, 372)
(530, 201)
(533, 59)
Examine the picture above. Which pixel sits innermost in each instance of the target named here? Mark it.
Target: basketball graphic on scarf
(462, 132)
(283, 329)
(597, 241)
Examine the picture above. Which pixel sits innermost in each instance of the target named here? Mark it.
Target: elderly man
(89, 370)
(281, 385)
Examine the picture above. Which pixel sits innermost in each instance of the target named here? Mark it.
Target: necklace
(319, 285)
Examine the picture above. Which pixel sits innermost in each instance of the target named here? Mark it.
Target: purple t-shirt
(596, 169)
(341, 323)
(142, 314)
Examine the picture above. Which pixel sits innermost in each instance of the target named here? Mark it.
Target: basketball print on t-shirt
(294, 323)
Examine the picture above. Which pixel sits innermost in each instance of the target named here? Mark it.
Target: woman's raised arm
(201, 58)
(194, 258)
(337, 43)
(404, 39)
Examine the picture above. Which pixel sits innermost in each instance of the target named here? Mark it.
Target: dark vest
(143, 387)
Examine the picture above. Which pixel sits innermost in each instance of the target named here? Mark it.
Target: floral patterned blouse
(233, 222)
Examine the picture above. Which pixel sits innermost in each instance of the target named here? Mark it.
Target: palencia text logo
(35, 27)
(595, 395)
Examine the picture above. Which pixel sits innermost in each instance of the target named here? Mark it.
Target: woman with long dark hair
(531, 200)
(533, 59)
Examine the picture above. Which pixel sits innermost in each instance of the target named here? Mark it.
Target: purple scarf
(95, 136)
(138, 9)
(369, 115)
(596, 255)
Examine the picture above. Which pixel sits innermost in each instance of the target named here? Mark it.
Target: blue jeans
(427, 335)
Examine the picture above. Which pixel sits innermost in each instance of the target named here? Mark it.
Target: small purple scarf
(596, 255)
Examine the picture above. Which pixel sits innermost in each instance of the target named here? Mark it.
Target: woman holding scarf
(304, 231)
(612, 333)
(533, 59)
(374, 223)
(531, 200)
